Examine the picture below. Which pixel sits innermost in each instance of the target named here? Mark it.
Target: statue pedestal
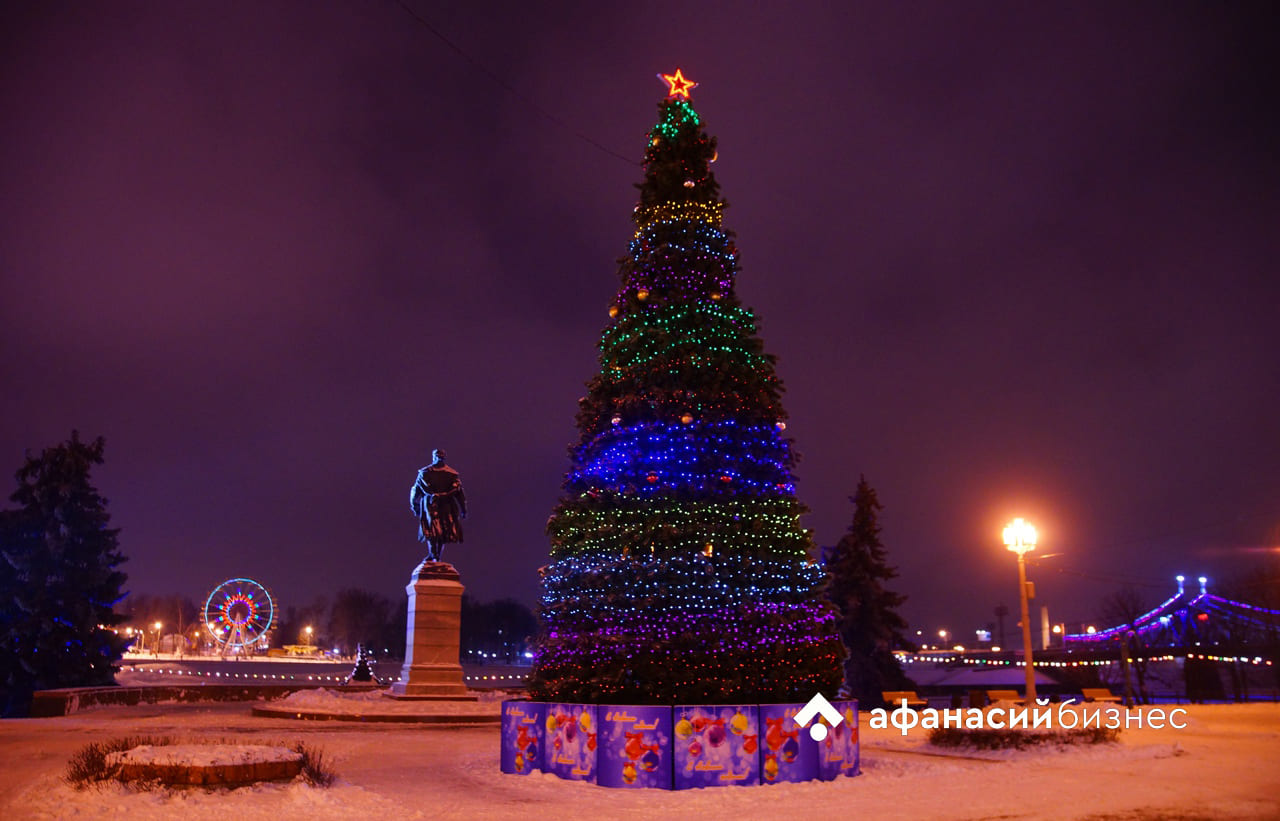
(431, 669)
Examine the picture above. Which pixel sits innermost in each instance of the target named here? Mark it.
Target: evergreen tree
(679, 570)
(58, 577)
(869, 622)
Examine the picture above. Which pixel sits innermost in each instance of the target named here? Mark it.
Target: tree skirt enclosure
(206, 765)
(678, 747)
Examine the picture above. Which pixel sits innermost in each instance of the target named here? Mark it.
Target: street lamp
(1020, 537)
(156, 651)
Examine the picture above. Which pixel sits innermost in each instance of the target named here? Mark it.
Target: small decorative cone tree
(679, 570)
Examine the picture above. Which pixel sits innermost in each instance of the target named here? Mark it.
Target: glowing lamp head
(1020, 536)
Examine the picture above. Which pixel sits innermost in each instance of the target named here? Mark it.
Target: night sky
(1015, 261)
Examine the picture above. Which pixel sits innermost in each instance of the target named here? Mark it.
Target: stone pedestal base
(431, 669)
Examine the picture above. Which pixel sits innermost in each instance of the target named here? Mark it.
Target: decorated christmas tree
(679, 569)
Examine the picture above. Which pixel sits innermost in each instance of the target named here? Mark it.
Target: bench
(1003, 695)
(1098, 694)
(894, 698)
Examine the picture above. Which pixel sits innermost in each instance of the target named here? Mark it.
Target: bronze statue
(436, 498)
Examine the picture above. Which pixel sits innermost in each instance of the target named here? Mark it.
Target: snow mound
(376, 702)
(202, 755)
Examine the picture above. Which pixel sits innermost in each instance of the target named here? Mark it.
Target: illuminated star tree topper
(679, 85)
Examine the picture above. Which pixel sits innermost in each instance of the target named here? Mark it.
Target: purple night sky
(1015, 261)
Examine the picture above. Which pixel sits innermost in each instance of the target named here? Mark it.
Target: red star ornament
(680, 87)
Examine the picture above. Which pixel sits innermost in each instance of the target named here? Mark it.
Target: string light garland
(679, 568)
(1185, 618)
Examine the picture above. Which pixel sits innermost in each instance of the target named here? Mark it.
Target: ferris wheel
(237, 613)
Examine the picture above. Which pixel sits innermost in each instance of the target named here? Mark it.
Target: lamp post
(1020, 537)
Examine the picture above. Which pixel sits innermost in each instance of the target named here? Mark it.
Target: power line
(507, 86)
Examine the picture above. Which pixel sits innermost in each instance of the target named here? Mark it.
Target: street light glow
(1020, 536)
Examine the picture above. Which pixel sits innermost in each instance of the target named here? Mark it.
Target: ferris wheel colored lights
(238, 612)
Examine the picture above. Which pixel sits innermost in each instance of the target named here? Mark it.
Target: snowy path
(1226, 764)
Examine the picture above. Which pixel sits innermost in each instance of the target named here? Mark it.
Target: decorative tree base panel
(679, 747)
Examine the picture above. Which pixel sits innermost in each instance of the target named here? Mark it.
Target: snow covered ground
(1224, 765)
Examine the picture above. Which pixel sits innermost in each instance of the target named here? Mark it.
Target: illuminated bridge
(1188, 619)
